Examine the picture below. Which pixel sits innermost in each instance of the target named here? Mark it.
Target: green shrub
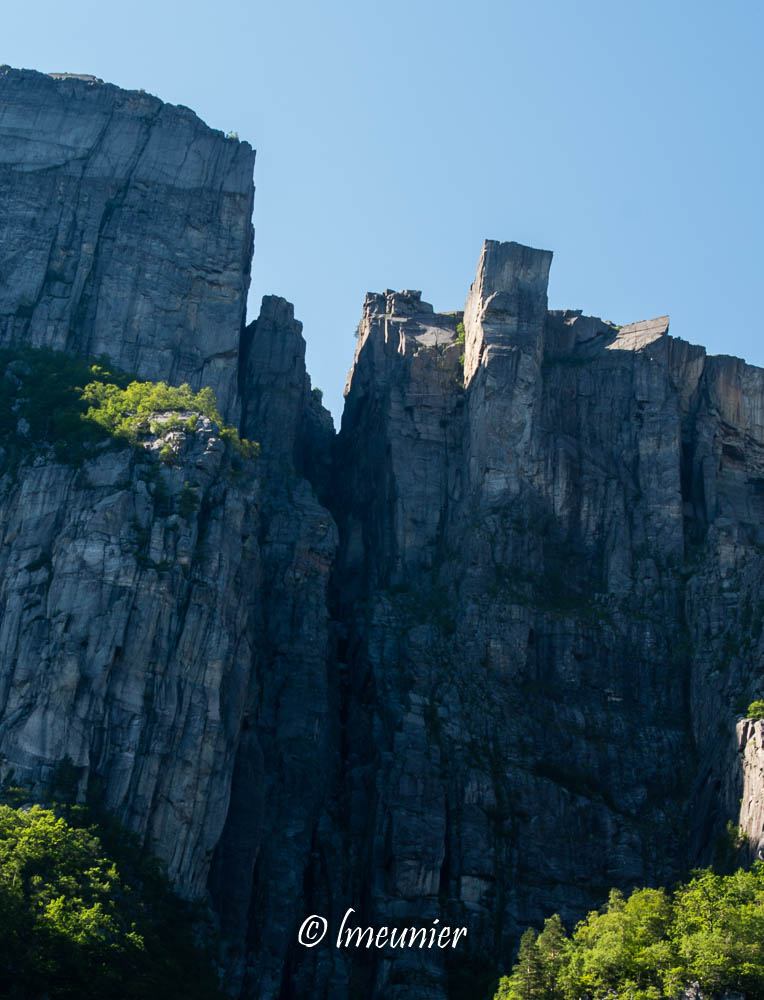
(755, 711)
(189, 501)
(460, 333)
(49, 399)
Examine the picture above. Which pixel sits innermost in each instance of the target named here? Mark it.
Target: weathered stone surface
(280, 410)
(750, 748)
(125, 230)
(406, 382)
(128, 623)
(172, 634)
(549, 700)
(504, 319)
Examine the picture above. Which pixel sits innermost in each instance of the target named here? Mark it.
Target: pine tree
(551, 945)
(527, 979)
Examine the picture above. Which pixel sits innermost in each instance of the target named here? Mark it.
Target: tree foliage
(80, 923)
(651, 945)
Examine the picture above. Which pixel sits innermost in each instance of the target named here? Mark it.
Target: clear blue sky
(393, 138)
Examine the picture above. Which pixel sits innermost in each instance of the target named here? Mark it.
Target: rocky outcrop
(126, 230)
(164, 626)
(748, 780)
(280, 410)
(404, 387)
(533, 561)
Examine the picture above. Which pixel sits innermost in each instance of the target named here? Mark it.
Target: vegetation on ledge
(49, 399)
(651, 946)
(755, 711)
(461, 334)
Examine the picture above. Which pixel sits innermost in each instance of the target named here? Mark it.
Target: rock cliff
(747, 781)
(551, 564)
(126, 229)
(479, 658)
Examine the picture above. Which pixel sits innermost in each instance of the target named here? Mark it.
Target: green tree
(552, 944)
(76, 924)
(527, 979)
(652, 945)
(719, 930)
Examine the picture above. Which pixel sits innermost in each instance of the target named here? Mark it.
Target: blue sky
(393, 138)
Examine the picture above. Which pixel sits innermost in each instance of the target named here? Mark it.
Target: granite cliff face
(125, 230)
(479, 658)
(553, 566)
(750, 746)
(164, 628)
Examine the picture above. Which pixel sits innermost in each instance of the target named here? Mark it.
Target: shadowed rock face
(125, 229)
(478, 659)
(551, 570)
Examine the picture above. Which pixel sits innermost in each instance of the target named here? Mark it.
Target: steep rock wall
(750, 746)
(164, 627)
(126, 230)
(551, 570)
(290, 743)
(128, 626)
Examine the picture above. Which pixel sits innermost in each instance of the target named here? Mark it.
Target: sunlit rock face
(164, 626)
(478, 658)
(127, 635)
(745, 784)
(126, 229)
